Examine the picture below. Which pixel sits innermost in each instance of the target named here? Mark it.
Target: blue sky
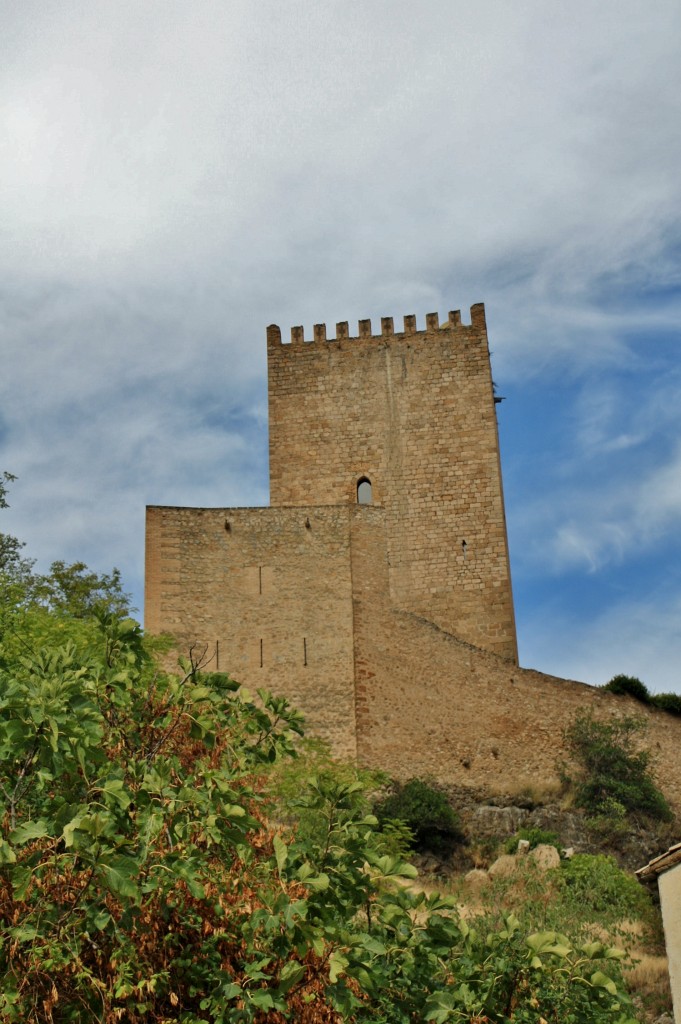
(176, 176)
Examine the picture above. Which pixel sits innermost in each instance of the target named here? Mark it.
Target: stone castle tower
(375, 590)
(409, 419)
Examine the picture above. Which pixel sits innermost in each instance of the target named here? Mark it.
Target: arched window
(364, 491)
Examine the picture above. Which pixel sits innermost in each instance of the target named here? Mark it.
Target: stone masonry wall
(430, 704)
(380, 684)
(395, 638)
(414, 413)
(267, 594)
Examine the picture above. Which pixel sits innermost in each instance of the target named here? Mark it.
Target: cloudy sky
(176, 175)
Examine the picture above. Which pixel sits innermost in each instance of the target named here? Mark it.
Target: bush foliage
(601, 890)
(586, 892)
(667, 702)
(629, 685)
(614, 776)
(425, 810)
(142, 880)
(633, 687)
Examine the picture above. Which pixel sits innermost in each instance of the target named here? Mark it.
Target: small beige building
(667, 870)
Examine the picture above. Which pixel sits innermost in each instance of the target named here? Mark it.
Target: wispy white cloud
(592, 523)
(609, 489)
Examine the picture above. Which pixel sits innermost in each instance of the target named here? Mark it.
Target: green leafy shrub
(629, 685)
(425, 810)
(130, 807)
(141, 878)
(535, 837)
(667, 702)
(614, 772)
(288, 787)
(600, 889)
(611, 826)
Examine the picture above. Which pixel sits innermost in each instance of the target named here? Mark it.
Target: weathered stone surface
(545, 856)
(497, 821)
(503, 866)
(567, 823)
(477, 878)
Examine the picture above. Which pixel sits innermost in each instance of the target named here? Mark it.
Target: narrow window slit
(364, 491)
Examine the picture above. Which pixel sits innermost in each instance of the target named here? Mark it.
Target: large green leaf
(280, 852)
(338, 964)
(116, 790)
(120, 875)
(7, 854)
(29, 830)
(601, 980)
(291, 974)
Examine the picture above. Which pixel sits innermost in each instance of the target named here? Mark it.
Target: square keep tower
(405, 421)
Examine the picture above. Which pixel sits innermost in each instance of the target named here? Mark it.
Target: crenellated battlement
(453, 322)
